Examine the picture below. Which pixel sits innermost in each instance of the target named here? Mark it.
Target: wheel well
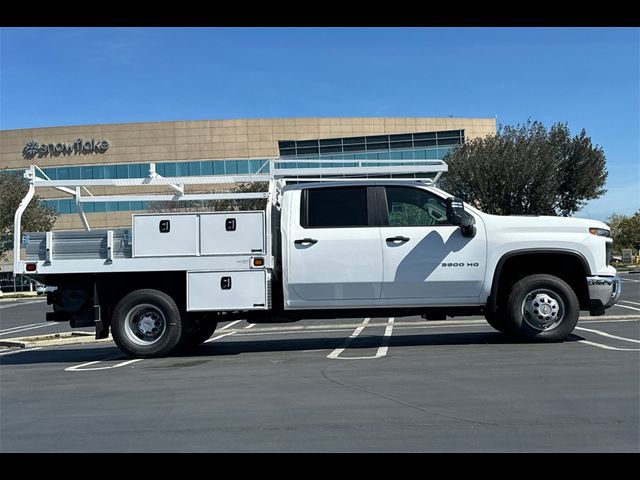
(113, 287)
(569, 267)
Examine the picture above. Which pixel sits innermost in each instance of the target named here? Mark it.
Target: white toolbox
(241, 290)
(165, 235)
(232, 233)
(215, 233)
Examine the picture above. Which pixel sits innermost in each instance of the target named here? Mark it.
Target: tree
(216, 205)
(625, 231)
(527, 169)
(37, 216)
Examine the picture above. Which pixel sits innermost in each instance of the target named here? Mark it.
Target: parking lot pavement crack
(401, 402)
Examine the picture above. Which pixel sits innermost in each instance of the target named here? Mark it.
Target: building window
(328, 147)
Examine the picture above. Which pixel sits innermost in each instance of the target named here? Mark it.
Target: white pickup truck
(333, 241)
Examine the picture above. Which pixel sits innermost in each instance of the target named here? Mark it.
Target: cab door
(332, 250)
(426, 260)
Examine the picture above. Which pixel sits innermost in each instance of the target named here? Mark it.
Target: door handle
(399, 238)
(302, 241)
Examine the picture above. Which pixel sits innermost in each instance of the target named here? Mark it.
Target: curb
(65, 338)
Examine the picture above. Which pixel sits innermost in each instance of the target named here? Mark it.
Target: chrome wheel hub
(543, 309)
(144, 324)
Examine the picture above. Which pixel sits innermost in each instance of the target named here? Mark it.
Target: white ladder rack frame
(277, 177)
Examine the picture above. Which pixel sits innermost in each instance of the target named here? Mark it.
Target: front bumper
(603, 293)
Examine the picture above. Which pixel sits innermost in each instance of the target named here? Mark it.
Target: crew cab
(351, 241)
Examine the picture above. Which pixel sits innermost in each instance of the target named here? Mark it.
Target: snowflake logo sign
(31, 148)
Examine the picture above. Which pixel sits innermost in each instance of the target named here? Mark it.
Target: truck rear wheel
(146, 323)
(542, 307)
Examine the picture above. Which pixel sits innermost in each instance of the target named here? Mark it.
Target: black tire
(158, 311)
(528, 318)
(497, 321)
(200, 333)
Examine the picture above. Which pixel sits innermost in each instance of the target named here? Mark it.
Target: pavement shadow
(63, 355)
(236, 346)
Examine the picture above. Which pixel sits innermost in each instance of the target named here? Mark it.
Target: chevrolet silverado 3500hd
(353, 240)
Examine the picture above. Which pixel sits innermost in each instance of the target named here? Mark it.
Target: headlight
(600, 232)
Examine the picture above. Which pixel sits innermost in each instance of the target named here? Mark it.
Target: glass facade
(381, 144)
(166, 169)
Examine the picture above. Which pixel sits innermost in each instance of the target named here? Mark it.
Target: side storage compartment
(224, 291)
(165, 235)
(232, 233)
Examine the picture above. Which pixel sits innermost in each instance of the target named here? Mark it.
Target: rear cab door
(332, 255)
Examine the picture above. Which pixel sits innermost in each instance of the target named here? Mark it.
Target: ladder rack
(280, 171)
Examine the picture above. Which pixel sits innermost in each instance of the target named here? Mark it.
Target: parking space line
(384, 346)
(22, 350)
(251, 325)
(22, 303)
(632, 318)
(605, 334)
(349, 339)
(292, 332)
(229, 324)
(627, 301)
(21, 326)
(626, 306)
(220, 336)
(608, 347)
(19, 330)
(382, 349)
(80, 368)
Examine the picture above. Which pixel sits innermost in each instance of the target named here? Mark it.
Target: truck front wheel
(146, 323)
(542, 307)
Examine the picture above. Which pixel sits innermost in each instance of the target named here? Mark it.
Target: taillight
(31, 267)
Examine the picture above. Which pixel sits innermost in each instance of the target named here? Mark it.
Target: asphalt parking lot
(368, 385)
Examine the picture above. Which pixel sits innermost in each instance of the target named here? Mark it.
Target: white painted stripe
(229, 324)
(251, 325)
(26, 329)
(627, 301)
(634, 318)
(219, 336)
(21, 326)
(12, 352)
(349, 339)
(284, 332)
(382, 349)
(21, 303)
(629, 280)
(626, 306)
(80, 368)
(605, 334)
(607, 347)
(77, 367)
(345, 327)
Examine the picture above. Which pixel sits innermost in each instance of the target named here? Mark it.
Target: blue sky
(588, 77)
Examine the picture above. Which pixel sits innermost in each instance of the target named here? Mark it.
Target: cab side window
(334, 207)
(409, 206)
